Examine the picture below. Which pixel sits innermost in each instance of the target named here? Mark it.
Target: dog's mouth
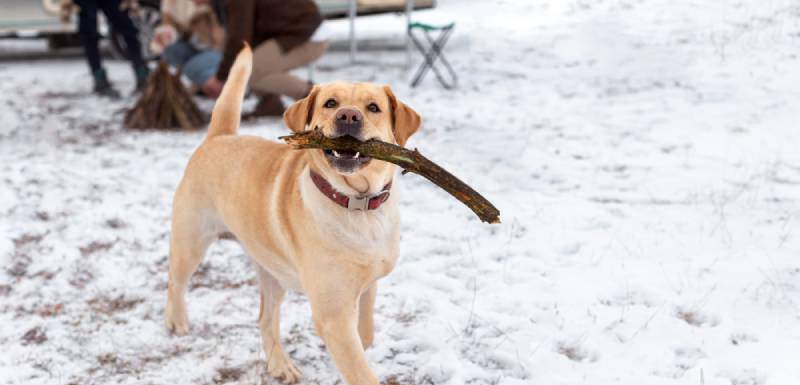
(346, 160)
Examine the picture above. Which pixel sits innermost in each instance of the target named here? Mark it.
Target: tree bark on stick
(410, 161)
(165, 103)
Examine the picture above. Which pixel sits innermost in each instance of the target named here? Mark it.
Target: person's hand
(212, 87)
(66, 10)
(163, 36)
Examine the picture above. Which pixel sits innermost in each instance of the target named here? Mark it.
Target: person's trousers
(271, 68)
(119, 21)
(197, 65)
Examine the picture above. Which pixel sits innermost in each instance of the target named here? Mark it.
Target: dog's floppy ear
(406, 121)
(298, 115)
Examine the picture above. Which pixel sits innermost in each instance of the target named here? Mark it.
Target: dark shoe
(269, 105)
(102, 86)
(142, 72)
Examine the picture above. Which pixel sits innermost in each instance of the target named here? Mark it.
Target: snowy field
(645, 156)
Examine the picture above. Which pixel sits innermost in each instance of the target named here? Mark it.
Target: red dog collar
(366, 202)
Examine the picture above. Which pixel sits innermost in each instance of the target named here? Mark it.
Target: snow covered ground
(645, 156)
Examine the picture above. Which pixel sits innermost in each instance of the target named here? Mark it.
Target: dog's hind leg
(190, 238)
(279, 365)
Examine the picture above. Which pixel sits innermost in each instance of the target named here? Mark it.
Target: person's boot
(102, 86)
(142, 72)
(268, 105)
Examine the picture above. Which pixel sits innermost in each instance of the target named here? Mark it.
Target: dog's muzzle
(349, 121)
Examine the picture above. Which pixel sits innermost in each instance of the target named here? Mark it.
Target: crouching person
(284, 34)
(191, 38)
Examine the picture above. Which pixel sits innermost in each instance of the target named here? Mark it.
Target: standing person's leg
(271, 68)
(87, 29)
(122, 24)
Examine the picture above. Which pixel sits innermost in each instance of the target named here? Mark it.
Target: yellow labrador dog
(321, 222)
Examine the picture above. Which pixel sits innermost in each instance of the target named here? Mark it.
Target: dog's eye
(331, 103)
(372, 107)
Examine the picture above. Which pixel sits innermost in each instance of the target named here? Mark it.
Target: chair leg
(423, 67)
(435, 51)
(437, 47)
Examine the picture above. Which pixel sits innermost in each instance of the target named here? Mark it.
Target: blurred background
(643, 154)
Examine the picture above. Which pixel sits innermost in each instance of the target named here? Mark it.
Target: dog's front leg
(336, 320)
(366, 308)
(278, 363)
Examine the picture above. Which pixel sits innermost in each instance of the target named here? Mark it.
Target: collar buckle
(362, 203)
(358, 203)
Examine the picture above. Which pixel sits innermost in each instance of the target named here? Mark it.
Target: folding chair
(433, 52)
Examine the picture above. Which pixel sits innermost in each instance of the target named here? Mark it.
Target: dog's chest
(383, 266)
(372, 242)
(289, 280)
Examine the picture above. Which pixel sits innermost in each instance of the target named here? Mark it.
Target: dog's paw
(177, 322)
(282, 368)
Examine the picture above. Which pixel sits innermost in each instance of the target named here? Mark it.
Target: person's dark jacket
(290, 22)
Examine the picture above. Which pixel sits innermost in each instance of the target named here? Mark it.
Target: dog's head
(363, 111)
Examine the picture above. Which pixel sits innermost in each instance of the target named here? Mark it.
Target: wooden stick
(410, 161)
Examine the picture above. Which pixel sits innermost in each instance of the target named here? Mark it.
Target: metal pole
(352, 17)
(409, 9)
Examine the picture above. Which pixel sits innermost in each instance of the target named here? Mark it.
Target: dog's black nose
(349, 121)
(348, 115)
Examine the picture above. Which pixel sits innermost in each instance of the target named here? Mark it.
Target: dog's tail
(228, 110)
